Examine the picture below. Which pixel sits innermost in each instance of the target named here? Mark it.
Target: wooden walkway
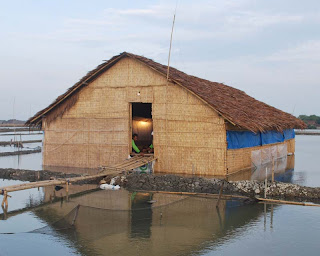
(127, 165)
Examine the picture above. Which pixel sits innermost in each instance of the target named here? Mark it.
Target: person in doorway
(151, 149)
(134, 146)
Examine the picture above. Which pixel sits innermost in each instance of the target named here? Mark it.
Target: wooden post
(272, 170)
(265, 215)
(75, 215)
(276, 201)
(271, 217)
(5, 212)
(5, 199)
(67, 189)
(220, 194)
(266, 184)
(219, 216)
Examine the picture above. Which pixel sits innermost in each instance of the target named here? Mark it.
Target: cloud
(266, 48)
(220, 20)
(305, 51)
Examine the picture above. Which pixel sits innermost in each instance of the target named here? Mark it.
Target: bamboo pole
(75, 215)
(271, 217)
(220, 194)
(5, 199)
(193, 194)
(5, 212)
(272, 178)
(286, 202)
(265, 216)
(174, 18)
(266, 184)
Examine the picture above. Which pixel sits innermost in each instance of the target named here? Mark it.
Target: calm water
(122, 223)
(31, 161)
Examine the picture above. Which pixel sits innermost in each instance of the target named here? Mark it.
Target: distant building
(200, 127)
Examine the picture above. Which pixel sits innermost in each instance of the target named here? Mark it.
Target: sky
(269, 49)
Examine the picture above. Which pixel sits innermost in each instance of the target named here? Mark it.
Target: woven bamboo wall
(239, 159)
(189, 137)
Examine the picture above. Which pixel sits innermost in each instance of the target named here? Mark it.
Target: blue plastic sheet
(243, 139)
(246, 139)
(270, 137)
(288, 134)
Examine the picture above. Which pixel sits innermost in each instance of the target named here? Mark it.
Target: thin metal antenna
(294, 107)
(174, 18)
(14, 127)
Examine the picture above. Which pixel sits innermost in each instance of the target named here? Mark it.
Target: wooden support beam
(276, 201)
(195, 194)
(220, 194)
(5, 199)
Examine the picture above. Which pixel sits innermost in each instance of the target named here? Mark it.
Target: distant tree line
(12, 121)
(312, 121)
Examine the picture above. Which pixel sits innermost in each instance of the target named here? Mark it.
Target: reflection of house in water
(119, 222)
(283, 170)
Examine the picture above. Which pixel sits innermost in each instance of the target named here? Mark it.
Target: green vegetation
(312, 121)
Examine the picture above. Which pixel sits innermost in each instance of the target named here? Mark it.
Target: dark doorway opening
(142, 125)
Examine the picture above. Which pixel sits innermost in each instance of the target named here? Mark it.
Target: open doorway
(142, 126)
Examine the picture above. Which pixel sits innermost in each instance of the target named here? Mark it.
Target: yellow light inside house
(143, 123)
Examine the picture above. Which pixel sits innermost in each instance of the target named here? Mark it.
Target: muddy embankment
(251, 189)
(20, 152)
(32, 176)
(18, 129)
(174, 183)
(17, 143)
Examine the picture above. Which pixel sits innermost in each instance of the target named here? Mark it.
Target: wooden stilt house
(199, 127)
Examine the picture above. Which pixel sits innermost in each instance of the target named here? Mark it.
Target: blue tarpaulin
(288, 134)
(243, 139)
(246, 139)
(270, 137)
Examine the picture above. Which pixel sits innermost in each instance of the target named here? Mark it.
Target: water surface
(124, 223)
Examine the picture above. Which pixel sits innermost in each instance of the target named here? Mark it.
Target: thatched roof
(234, 105)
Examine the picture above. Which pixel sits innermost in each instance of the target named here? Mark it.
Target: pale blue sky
(270, 49)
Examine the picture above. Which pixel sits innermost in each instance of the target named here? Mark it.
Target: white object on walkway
(113, 180)
(109, 187)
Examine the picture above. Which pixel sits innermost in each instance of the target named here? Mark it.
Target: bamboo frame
(275, 201)
(195, 194)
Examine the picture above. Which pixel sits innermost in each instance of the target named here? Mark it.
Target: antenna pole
(13, 116)
(174, 18)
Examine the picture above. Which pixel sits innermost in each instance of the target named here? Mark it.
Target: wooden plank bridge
(125, 166)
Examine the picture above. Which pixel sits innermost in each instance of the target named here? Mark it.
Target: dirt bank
(9, 143)
(251, 189)
(18, 129)
(21, 152)
(31, 176)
